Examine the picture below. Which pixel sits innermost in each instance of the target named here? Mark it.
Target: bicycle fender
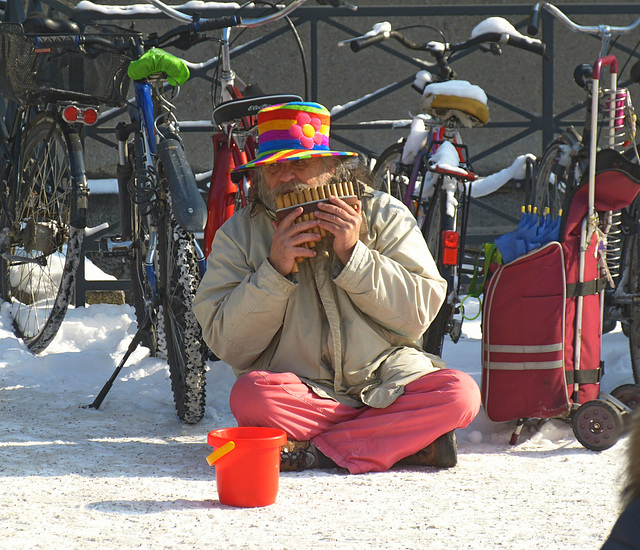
(188, 205)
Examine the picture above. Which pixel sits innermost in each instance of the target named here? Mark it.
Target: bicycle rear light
(450, 244)
(86, 115)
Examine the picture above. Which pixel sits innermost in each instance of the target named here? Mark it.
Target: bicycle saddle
(248, 106)
(39, 23)
(456, 99)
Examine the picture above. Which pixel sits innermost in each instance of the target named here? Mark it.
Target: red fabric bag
(541, 326)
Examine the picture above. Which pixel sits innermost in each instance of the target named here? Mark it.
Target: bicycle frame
(9, 158)
(187, 200)
(233, 145)
(437, 136)
(223, 193)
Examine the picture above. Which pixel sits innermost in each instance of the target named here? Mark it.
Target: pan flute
(309, 199)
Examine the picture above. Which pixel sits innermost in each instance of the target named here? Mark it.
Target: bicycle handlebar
(218, 23)
(597, 30)
(521, 42)
(438, 49)
(246, 23)
(249, 23)
(362, 43)
(120, 45)
(75, 41)
(190, 29)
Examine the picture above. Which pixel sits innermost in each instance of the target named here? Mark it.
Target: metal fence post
(548, 121)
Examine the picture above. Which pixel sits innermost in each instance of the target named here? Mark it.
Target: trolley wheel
(629, 394)
(597, 425)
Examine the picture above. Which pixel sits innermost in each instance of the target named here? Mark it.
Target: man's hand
(288, 239)
(343, 221)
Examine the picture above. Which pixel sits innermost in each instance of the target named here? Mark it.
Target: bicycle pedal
(456, 330)
(115, 247)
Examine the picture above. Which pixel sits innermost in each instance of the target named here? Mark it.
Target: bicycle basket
(92, 76)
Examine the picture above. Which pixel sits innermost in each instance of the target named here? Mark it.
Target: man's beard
(268, 196)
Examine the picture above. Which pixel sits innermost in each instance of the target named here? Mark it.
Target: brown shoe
(442, 453)
(296, 456)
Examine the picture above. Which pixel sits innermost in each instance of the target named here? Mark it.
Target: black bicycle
(51, 95)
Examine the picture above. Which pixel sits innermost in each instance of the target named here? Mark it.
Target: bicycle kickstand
(144, 326)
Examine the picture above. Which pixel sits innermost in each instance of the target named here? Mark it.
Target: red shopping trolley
(542, 318)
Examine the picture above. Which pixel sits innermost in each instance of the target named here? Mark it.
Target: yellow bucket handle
(220, 452)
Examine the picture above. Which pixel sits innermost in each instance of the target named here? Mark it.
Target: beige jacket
(351, 334)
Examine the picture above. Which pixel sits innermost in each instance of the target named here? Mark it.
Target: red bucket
(247, 464)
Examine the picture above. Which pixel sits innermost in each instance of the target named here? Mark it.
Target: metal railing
(528, 122)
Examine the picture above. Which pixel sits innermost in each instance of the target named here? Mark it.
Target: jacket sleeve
(391, 275)
(240, 307)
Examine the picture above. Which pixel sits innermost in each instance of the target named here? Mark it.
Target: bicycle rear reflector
(86, 115)
(90, 116)
(450, 243)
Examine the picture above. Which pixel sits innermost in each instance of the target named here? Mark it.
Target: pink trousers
(364, 439)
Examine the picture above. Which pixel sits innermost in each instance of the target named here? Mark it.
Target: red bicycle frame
(221, 201)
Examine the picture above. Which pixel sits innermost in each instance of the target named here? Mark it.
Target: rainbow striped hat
(293, 131)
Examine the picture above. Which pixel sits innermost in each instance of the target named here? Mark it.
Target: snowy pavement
(132, 476)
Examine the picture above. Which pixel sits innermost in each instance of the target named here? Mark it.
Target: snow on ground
(132, 476)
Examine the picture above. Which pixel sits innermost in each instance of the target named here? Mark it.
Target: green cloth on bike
(158, 61)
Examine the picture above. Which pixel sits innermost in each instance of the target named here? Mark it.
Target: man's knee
(246, 393)
(466, 392)
(454, 388)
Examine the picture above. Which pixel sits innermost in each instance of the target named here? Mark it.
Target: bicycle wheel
(389, 174)
(435, 222)
(555, 175)
(186, 351)
(42, 250)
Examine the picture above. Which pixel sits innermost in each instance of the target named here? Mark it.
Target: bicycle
(429, 171)
(161, 209)
(571, 158)
(162, 212)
